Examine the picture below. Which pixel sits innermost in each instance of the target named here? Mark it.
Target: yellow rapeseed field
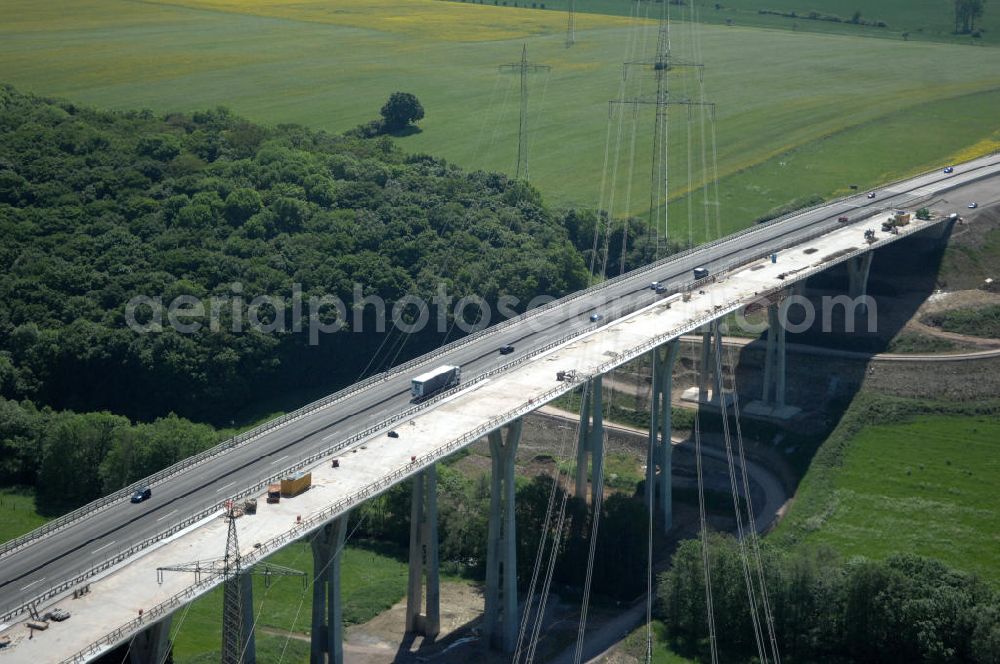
(439, 19)
(980, 149)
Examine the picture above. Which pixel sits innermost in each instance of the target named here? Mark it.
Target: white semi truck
(435, 380)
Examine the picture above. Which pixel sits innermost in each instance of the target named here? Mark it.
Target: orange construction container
(295, 484)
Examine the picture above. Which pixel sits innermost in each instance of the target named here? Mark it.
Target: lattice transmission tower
(661, 64)
(237, 640)
(523, 68)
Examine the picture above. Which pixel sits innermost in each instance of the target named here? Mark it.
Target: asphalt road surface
(27, 571)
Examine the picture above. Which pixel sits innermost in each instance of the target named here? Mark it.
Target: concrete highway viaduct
(101, 561)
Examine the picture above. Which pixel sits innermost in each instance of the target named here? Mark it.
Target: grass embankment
(966, 265)
(901, 475)
(796, 119)
(974, 321)
(911, 342)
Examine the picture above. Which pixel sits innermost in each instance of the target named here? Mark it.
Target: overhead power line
(523, 68)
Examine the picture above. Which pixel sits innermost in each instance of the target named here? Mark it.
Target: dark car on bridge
(142, 494)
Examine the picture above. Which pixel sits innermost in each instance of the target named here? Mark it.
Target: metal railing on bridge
(247, 436)
(375, 488)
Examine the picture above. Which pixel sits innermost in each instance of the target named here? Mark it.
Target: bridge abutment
(424, 557)
(327, 645)
(500, 619)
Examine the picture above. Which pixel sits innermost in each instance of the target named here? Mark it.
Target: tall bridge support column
(327, 645)
(857, 277)
(774, 359)
(238, 643)
(591, 439)
(706, 370)
(660, 452)
(773, 398)
(151, 645)
(424, 557)
(500, 619)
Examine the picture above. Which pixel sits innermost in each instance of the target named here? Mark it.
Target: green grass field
(17, 513)
(921, 19)
(917, 483)
(371, 581)
(798, 114)
(635, 645)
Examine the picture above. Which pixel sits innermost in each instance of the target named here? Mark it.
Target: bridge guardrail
(247, 436)
(315, 520)
(345, 504)
(719, 310)
(261, 486)
(314, 458)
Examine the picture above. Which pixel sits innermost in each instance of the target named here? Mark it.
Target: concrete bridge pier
(774, 390)
(151, 645)
(327, 645)
(707, 369)
(239, 645)
(773, 393)
(500, 619)
(660, 452)
(857, 277)
(591, 438)
(424, 557)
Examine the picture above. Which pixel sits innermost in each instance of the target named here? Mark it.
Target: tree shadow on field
(408, 130)
(827, 363)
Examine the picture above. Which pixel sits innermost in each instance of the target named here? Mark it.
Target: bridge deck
(380, 461)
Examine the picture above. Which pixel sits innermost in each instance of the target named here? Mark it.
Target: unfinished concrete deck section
(110, 612)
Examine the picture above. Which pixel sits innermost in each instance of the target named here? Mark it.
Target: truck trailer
(274, 493)
(430, 383)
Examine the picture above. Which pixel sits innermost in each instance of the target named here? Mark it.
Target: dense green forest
(73, 458)
(901, 610)
(99, 207)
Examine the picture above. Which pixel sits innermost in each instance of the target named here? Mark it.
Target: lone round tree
(401, 109)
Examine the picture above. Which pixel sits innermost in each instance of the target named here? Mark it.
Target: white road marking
(277, 460)
(225, 487)
(329, 437)
(104, 547)
(33, 583)
(166, 515)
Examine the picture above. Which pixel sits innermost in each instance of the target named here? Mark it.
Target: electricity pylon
(237, 641)
(661, 65)
(571, 25)
(525, 68)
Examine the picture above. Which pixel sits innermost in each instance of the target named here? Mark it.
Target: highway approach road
(26, 571)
